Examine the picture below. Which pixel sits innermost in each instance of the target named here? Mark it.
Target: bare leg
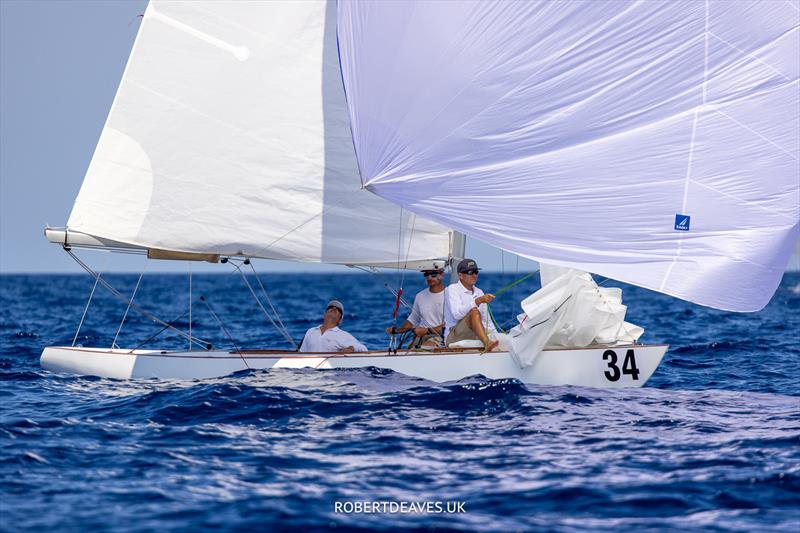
(476, 324)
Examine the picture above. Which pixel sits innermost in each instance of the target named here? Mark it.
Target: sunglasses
(334, 307)
(431, 273)
(470, 272)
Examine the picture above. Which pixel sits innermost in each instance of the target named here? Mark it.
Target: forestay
(652, 142)
(229, 134)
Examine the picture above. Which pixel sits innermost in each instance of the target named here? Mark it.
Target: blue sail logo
(682, 222)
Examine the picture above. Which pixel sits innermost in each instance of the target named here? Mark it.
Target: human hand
(485, 299)
(391, 330)
(348, 349)
(420, 331)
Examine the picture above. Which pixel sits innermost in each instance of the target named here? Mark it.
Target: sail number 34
(628, 365)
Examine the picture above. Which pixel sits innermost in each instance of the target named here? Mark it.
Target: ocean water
(712, 443)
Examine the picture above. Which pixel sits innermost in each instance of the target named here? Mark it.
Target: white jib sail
(656, 143)
(229, 134)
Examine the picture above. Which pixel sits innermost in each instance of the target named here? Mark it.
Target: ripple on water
(712, 443)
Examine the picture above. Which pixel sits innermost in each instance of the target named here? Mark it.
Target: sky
(60, 64)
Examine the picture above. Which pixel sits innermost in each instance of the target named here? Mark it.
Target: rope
(501, 291)
(85, 309)
(504, 289)
(490, 314)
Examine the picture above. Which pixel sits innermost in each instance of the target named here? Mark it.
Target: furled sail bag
(570, 310)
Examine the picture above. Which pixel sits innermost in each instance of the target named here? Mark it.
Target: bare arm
(404, 327)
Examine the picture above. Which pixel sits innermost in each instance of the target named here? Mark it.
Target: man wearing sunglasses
(328, 337)
(427, 314)
(465, 313)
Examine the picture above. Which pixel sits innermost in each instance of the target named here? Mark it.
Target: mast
(457, 249)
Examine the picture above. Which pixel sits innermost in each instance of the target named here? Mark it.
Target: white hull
(596, 366)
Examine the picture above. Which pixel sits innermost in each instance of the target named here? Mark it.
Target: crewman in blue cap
(465, 311)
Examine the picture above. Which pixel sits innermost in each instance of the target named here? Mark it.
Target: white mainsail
(229, 134)
(656, 143)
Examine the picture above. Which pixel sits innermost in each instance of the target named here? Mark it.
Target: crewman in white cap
(328, 337)
(427, 314)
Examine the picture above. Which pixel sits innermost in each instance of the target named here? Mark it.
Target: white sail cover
(652, 142)
(229, 134)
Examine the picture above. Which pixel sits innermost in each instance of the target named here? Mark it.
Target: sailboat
(652, 143)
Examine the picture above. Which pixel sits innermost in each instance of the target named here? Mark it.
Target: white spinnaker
(576, 133)
(229, 134)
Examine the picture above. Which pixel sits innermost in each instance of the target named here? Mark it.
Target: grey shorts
(461, 332)
(419, 341)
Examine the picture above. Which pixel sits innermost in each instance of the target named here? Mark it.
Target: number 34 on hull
(595, 366)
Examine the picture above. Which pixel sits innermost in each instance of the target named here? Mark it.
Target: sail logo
(682, 222)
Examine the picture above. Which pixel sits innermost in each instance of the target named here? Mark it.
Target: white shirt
(428, 310)
(458, 300)
(333, 340)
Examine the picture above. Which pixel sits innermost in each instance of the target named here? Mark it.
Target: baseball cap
(435, 270)
(467, 264)
(337, 304)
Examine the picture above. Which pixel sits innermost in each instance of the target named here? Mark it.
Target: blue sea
(711, 443)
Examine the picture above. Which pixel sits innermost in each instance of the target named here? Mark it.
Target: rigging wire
(119, 295)
(393, 341)
(207, 346)
(399, 292)
(516, 273)
(281, 329)
(85, 309)
(408, 249)
(403, 301)
(228, 333)
(190, 306)
(128, 308)
(374, 272)
(269, 301)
